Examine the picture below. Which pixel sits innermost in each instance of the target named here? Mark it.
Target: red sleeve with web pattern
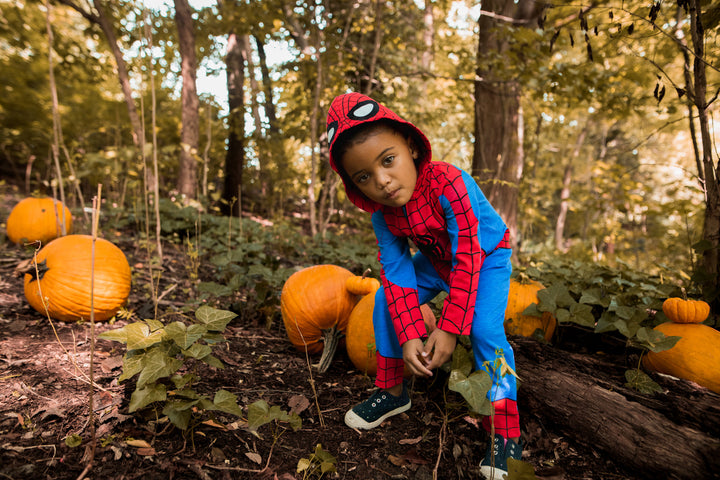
(467, 256)
(398, 278)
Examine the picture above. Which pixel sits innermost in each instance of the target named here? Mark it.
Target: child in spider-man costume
(386, 167)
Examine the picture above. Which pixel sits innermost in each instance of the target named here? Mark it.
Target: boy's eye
(388, 160)
(362, 178)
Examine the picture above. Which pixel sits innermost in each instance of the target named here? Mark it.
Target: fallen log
(665, 435)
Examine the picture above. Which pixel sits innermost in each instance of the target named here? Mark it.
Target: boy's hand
(415, 359)
(439, 347)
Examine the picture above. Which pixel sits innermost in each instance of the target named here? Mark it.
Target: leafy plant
(161, 356)
(319, 463)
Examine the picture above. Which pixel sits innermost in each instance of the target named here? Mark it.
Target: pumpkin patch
(59, 282)
(38, 219)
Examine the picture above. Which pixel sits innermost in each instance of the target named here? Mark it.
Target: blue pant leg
(429, 284)
(487, 334)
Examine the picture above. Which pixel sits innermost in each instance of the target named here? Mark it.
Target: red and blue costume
(463, 249)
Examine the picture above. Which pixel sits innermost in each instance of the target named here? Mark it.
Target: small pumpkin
(680, 310)
(695, 357)
(64, 280)
(34, 219)
(522, 294)
(315, 306)
(360, 334)
(362, 285)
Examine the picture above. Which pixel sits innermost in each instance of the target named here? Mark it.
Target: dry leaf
(138, 443)
(254, 457)
(146, 452)
(212, 423)
(298, 403)
(410, 441)
(395, 460)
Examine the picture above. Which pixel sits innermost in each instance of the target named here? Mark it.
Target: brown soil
(44, 398)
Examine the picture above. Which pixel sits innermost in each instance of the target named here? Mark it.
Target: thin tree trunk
(565, 193)
(190, 115)
(235, 155)
(377, 41)
(263, 154)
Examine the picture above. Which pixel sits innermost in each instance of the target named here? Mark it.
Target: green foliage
(162, 357)
(319, 463)
(261, 413)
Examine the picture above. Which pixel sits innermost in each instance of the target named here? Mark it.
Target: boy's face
(383, 167)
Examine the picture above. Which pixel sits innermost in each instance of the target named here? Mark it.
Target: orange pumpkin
(523, 293)
(360, 335)
(362, 285)
(695, 357)
(38, 219)
(64, 280)
(679, 310)
(315, 306)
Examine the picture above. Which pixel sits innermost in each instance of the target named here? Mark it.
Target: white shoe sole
(353, 420)
(493, 473)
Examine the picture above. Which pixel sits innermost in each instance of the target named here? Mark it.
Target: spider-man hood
(350, 110)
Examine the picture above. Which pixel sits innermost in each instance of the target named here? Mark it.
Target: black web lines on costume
(411, 322)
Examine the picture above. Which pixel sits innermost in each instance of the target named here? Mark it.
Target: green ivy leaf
(227, 402)
(132, 365)
(183, 335)
(655, 340)
(213, 361)
(215, 320)
(462, 360)
(473, 388)
(139, 336)
(142, 397)
(179, 413)
(641, 382)
(73, 440)
(198, 351)
(158, 364)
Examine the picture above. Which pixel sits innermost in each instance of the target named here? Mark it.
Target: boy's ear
(414, 151)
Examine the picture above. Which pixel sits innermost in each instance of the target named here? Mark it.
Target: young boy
(386, 167)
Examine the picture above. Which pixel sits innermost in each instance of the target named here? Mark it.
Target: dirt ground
(44, 398)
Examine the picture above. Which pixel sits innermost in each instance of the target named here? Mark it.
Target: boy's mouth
(392, 194)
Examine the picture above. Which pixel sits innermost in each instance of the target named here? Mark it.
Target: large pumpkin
(38, 219)
(695, 357)
(360, 335)
(315, 306)
(65, 270)
(523, 293)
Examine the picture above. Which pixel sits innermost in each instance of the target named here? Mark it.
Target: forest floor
(44, 398)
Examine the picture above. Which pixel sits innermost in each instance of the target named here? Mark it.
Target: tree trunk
(498, 151)
(711, 234)
(669, 435)
(190, 116)
(101, 19)
(565, 193)
(235, 155)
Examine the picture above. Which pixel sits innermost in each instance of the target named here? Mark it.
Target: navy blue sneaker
(494, 465)
(376, 409)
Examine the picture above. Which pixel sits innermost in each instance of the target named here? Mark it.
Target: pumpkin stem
(331, 339)
(366, 273)
(36, 273)
(684, 293)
